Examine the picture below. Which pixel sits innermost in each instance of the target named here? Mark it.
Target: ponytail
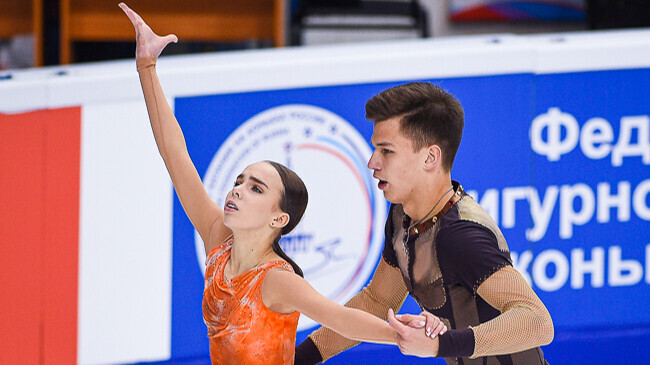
(293, 201)
(278, 250)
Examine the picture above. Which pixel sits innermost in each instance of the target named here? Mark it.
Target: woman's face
(253, 202)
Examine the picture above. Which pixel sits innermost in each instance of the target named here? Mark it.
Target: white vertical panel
(125, 238)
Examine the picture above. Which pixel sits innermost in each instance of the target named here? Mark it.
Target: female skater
(252, 297)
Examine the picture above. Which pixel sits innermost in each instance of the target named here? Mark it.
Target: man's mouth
(382, 184)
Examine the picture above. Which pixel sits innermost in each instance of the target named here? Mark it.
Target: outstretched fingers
(148, 43)
(170, 38)
(132, 15)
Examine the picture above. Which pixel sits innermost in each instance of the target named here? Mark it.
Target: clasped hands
(417, 334)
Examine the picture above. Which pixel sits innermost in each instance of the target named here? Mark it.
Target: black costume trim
(456, 343)
(307, 353)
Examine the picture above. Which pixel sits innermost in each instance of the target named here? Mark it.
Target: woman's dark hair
(293, 201)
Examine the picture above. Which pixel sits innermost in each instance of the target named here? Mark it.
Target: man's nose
(373, 164)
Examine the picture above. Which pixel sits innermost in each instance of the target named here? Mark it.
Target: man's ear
(280, 221)
(434, 157)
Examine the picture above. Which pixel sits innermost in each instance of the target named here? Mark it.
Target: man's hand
(433, 324)
(413, 341)
(148, 43)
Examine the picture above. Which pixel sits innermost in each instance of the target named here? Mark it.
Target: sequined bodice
(241, 329)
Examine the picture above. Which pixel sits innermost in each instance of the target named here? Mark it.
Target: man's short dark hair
(428, 115)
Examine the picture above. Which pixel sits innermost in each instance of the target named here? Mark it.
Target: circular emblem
(339, 239)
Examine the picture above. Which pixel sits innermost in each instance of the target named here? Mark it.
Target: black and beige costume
(444, 264)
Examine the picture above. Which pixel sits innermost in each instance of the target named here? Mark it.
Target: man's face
(394, 163)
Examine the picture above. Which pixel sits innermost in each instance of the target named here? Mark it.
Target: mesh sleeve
(385, 290)
(524, 322)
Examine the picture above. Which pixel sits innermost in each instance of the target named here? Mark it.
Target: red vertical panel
(61, 246)
(22, 161)
(39, 233)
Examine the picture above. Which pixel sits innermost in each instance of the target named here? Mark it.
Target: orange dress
(241, 329)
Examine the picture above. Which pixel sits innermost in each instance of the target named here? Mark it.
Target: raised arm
(286, 292)
(205, 214)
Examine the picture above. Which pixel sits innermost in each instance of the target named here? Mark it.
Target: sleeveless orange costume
(241, 329)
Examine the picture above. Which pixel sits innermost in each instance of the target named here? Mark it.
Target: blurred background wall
(51, 32)
(99, 264)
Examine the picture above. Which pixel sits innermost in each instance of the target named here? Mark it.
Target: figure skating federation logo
(339, 239)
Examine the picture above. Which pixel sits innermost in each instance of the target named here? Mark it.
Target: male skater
(441, 247)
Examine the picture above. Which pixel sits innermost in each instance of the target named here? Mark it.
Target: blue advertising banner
(589, 146)
(560, 161)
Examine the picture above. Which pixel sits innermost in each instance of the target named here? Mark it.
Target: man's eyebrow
(382, 144)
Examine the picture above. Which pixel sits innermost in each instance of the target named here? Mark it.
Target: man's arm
(385, 290)
(524, 322)
(470, 255)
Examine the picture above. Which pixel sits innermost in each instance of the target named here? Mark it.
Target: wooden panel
(203, 27)
(37, 16)
(148, 7)
(16, 18)
(280, 23)
(23, 17)
(191, 20)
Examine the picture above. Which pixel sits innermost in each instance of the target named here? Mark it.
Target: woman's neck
(249, 249)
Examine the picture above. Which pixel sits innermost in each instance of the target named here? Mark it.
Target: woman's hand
(148, 43)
